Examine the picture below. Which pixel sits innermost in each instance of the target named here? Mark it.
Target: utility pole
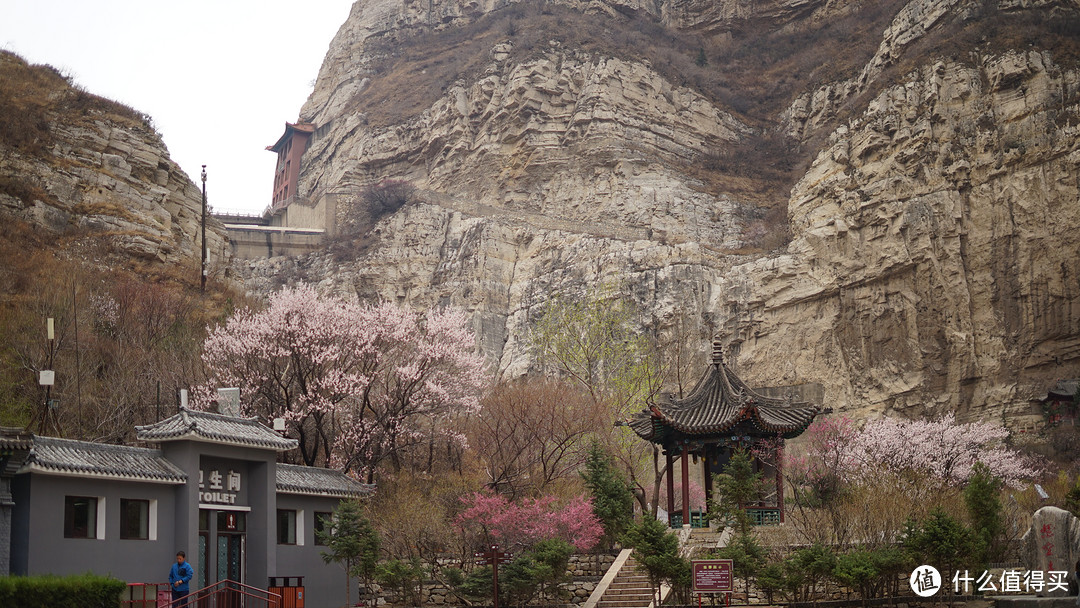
(202, 275)
(46, 379)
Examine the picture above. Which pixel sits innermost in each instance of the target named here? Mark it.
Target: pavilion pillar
(686, 485)
(780, 480)
(670, 484)
(708, 474)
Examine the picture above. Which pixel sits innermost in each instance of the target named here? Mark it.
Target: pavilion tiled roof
(315, 481)
(68, 457)
(215, 428)
(718, 402)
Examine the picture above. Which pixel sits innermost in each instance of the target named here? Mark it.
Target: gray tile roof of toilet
(296, 479)
(83, 458)
(214, 428)
(12, 438)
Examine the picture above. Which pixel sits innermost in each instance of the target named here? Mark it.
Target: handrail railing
(142, 595)
(211, 596)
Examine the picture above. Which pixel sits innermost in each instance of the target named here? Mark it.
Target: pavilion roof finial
(717, 352)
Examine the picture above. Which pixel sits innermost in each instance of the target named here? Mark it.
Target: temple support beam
(780, 480)
(707, 472)
(670, 484)
(686, 485)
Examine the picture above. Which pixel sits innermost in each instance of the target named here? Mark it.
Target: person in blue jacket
(179, 577)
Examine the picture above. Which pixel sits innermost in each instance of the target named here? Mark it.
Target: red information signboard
(712, 576)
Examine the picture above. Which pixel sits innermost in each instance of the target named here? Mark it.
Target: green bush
(79, 591)
(872, 572)
(535, 573)
(984, 509)
(942, 541)
(657, 550)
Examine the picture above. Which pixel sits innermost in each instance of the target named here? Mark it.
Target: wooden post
(780, 480)
(708, 476)
(686, 485)
(670, 485)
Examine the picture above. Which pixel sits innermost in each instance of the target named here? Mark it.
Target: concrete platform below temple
(1031, 601)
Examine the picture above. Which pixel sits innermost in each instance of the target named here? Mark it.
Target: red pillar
(670, 484)
(780, 480)
(706, 454)
(686, 485)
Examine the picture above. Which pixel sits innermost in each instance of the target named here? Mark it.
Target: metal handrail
(199, 598)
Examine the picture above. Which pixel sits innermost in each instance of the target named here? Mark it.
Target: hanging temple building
(722, 414)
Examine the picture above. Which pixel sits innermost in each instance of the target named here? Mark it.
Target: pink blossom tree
(942, 448)
(494, 518)
(836, 451)
(356, 384)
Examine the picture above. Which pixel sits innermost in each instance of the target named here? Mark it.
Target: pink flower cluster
(943, 449)
(352, 381)
(517, 526)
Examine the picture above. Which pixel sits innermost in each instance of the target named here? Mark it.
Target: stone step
(642, 602)
(628, 590)
(642, 584)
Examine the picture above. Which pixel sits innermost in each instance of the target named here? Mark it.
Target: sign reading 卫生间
(712, 576)
(221, 482)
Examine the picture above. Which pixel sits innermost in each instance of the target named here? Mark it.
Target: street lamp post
(202, 272)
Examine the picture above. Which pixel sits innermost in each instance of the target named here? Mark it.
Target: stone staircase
(626, 585)
(629, 589)
(702, 540)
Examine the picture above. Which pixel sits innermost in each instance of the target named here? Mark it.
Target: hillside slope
(99, 231)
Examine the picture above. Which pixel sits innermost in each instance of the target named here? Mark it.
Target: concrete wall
(260, 481)
(321, 215)
(39, 546)
(256, 242)
(324, 583)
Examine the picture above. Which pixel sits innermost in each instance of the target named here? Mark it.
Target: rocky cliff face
(74, 163)
(932, 264)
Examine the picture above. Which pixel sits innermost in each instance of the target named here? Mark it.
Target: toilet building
(209, 485)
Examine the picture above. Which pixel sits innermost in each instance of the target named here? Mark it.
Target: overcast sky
(214, 74)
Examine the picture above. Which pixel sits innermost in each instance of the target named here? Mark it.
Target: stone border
(609, 576)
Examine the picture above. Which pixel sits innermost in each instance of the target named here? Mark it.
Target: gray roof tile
(718, 402)
(216, 428)
(69, 457)
(296, 479)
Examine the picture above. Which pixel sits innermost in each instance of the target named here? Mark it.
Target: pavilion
(719, 415)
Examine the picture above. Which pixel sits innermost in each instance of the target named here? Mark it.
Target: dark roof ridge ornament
(717, 352)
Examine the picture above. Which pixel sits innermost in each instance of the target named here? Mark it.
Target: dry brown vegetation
(35, 97)
(123, 330)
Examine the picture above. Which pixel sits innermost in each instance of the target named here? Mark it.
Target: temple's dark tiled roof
(204, 426)
(718, 402)
(69, 457)
(294, 479)
(1062, 391)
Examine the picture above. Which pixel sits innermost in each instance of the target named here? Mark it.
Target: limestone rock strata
(933, 261)
(936, 238)
(112, 176)
(569, 136)
(502, 269)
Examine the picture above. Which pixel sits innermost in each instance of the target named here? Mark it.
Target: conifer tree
(352, 542)
(613, 502)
